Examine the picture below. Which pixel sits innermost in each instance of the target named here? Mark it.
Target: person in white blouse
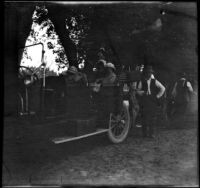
(151, 90)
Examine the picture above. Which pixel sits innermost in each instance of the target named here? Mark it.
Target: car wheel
(119, 125)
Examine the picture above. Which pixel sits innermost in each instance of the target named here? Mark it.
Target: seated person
(100, 73)
(102, 53)
(108, 76)
(72, 76)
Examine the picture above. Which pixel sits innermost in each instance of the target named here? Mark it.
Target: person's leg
(183, 108)
(151, 118)
(183, 113)
(144, 126)
(152, 126)
(145, 116)
(180, 108)
(134, 113)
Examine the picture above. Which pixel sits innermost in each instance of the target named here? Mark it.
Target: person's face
(109, 70)
(147, 75)
(101, 56)
(100, 68)
(133, 85)
(70, 75)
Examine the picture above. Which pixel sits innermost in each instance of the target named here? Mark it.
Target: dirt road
(171, 159)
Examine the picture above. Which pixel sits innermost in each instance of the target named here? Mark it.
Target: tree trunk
(16, 30)
(58, 16)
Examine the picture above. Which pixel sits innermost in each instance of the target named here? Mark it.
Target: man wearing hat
(151, 91)
(100, 66)
(75, 77)
(102, 54)
(110, 76)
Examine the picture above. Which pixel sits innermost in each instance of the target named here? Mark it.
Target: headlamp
(28, 81)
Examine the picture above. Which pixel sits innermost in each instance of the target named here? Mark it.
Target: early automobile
(62, 112)
(50, 108)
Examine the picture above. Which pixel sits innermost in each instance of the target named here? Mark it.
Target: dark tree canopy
(132, 33)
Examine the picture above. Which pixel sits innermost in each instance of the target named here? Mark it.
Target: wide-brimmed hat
(72, 69)
(148, 69)
(110, 65)
(102, 49)
(102, 61)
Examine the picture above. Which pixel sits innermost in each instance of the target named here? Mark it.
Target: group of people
(105, 70)
(104, 74)
(145, 95)
(73, 76)
(152, 94)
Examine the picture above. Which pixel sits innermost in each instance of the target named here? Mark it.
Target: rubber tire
(118, 140)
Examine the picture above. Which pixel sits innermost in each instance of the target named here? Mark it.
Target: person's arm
(189, 86)
(113, 78)
(133, 85)
(161, 87)
(99, 80)
(139, 87)
(174, 90)
(85, 80)
(139, 90)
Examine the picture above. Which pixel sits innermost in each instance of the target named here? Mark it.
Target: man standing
(151, 91)
(181, 94)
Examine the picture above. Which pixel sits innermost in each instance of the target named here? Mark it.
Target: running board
(68, 138)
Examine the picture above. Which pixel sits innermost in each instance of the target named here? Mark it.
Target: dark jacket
(153, 88)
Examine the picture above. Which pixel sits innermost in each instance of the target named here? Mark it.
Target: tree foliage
(78, 26)
(43, 31)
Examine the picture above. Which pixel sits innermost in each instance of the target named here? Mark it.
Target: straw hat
(72, 69)
(110, 65)
(102, 61)
(102, 49)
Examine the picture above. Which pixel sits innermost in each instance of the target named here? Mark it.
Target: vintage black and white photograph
(100, 93)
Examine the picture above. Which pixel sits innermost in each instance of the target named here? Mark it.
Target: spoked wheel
(119, 125)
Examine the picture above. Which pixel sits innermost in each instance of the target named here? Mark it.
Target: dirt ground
(170, 159)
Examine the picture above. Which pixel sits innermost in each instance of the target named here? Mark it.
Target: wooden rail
(68, 138)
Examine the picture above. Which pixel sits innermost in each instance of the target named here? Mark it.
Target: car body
(67, 112)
